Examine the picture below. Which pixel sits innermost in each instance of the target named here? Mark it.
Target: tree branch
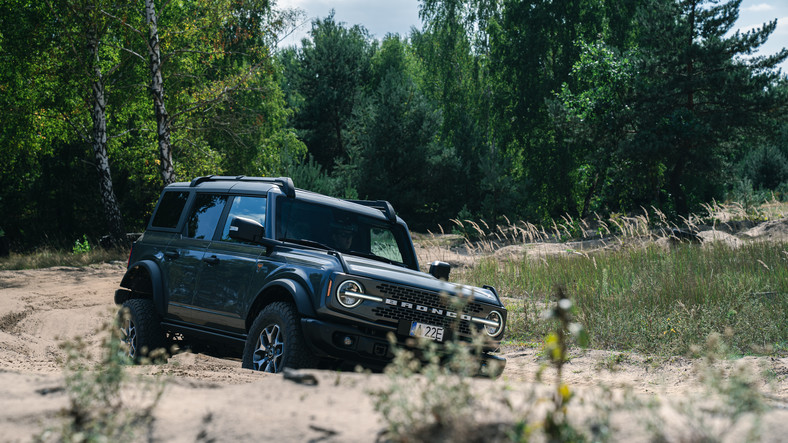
(124, 23)
(126, 50)
(81, 133)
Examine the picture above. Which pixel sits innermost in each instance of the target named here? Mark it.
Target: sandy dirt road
(210, 398)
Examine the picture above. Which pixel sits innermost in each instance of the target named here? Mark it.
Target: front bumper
(369, 347)
(347, 343)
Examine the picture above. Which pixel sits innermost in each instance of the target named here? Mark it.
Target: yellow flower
(563, 390)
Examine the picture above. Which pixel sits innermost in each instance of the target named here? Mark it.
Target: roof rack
(382, 205)
(285, 183)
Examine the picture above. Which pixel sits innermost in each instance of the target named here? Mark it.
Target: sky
(382, 17)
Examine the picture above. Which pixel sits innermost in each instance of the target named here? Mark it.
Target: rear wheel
(276, 341)
(140, 329)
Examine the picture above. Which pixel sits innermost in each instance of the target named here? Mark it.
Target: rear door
(185, 255)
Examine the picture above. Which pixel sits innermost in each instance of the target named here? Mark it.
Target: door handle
(172, 254)
(212, 260)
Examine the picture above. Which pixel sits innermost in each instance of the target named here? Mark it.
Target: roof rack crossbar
(382, 205)
(284, 183)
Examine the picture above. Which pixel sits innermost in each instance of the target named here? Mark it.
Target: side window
(383, 244)
(301, 221)
(247, 207)
(205, 216)
(169, 211)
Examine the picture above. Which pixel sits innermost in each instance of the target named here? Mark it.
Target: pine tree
(331, 69)
(697, 87)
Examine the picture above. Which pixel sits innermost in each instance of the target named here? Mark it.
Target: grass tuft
(47, 258)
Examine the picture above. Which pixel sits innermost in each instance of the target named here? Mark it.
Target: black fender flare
(300, 296)
(154, 274)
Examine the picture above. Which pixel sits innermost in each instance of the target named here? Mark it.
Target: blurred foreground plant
(104, 403)
(556, 425)
(429, 395)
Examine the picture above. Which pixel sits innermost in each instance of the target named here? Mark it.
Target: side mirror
(440, 270)
(246, 230)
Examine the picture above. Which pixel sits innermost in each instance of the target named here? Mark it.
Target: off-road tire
(141, 330)
(276, 341)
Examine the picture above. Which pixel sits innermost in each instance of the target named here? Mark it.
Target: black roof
(242, 183)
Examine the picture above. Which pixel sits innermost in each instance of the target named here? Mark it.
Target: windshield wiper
(311, 243)
(377, 257)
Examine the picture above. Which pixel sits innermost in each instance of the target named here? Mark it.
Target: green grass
(47, 257)
(653, 300)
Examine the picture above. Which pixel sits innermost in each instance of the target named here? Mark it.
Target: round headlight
(346, 291)
(496, 317)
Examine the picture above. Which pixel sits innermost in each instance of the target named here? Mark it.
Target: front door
(228, 267)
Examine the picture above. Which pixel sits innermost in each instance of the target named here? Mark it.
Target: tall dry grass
(47, 258)
(633, 294)
(653, 300)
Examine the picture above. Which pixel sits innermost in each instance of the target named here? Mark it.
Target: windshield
(345, 231)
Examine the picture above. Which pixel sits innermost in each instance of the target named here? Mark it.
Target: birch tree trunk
(157, 92)
(99, 142)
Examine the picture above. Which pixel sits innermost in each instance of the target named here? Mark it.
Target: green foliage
(325, 80)
(532, 54)
(453, 78)
(227, 111)
(310, 175)
(673, 151)
(81, 247)
(686, 132)
(597, 124)
(530, 110)
(766, 167)
(396, 135)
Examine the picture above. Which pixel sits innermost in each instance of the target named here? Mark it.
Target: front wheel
(276, 341)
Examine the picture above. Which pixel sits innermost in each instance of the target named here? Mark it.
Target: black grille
(429, 299)
(422, 298)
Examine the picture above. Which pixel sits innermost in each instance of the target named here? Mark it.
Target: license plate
(427, 331)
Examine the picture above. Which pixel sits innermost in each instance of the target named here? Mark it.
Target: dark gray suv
(294, 278)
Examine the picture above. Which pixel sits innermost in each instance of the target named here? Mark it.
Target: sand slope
(211, 398)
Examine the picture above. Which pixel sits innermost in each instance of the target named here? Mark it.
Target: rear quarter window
(168, 213)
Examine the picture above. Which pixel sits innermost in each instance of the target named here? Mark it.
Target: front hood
(377, 270)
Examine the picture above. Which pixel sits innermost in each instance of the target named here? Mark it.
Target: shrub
(81, 247)
(766, 167)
